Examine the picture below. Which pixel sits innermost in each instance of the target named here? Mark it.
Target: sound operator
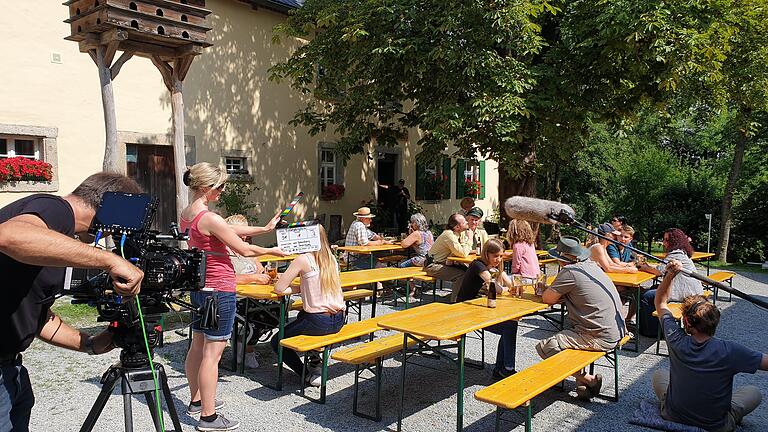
(36, 243)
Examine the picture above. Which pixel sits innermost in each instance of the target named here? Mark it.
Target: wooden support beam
(181, 66)
(92, 53)
(124, 57)
(113, 35)
(166, 71)
(110, 49)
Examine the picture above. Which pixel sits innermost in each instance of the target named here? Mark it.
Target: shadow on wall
(231, 106)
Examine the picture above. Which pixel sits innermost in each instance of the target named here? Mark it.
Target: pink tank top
(219, 271)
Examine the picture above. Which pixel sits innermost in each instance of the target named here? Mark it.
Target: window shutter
(482, 179)
(447, 172)
(460, 165)
(419, 181)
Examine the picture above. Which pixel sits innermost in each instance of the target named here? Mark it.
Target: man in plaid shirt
(359, 235)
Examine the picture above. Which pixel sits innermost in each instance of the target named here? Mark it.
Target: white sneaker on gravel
(221, 423)
(315, 380)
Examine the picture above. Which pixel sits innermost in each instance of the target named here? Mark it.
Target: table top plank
(273, 258)
(697, 256)
(632, 280)
(507, 256)
(461, 318)
(364, 250)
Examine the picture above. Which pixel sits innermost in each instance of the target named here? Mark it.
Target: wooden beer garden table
(274, 258)
(349, 280)
(473, 256)
(452, 324)
(370, 250)
(697, 256)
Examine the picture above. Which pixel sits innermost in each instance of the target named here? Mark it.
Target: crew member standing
(36, 243)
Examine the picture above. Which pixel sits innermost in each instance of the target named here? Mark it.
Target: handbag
(209, 313)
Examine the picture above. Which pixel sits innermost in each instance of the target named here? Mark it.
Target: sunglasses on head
(219, 187)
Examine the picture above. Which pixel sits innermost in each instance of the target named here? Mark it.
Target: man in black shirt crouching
(36, 243)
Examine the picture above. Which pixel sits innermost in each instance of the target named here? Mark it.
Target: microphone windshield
(538, 210)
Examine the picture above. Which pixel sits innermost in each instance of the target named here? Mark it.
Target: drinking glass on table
(517, 285)
(271, 271)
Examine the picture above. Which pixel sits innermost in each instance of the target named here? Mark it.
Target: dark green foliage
(236, 199)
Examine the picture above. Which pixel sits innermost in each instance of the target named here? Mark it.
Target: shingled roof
(283, 6)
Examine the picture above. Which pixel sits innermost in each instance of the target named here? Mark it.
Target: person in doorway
(697, 389)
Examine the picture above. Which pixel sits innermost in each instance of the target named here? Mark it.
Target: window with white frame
(18, 145)
(236, 165)
(327, 167)
(471, 171)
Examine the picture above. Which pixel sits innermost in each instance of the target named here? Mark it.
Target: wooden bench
(520, 388)
(426, 279)
(721, 276)
(306, 344)
(356, 295)
(370, 356)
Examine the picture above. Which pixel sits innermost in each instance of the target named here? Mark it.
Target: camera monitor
(126, 213)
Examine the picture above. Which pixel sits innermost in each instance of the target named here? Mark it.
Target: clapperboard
(299, 237)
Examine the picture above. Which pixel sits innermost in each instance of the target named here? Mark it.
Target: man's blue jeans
(505, 354)
(16, 398)
(312, 324)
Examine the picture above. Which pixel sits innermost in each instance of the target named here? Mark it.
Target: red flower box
(332, 192)
(24, 169)
(472, 188)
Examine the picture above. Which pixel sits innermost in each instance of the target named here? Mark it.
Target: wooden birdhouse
(148, 27)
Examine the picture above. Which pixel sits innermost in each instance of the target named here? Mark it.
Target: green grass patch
(737, 267)
(74, 313)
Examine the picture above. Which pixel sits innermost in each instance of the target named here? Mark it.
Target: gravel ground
(67, 383)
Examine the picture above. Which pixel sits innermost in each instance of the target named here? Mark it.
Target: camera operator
(36, 243)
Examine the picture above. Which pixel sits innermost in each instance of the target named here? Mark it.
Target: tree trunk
(111, 157)
(179, 148)
(509, 187)
(727, 204)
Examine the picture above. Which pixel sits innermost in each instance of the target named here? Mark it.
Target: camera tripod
(133, 381)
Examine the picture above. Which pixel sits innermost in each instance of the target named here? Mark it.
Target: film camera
(169, 271)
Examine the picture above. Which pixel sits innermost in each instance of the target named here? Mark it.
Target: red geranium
(332, 192)
(472, 188)
(20, 168)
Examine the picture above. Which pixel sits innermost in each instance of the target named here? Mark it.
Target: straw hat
(364, 212)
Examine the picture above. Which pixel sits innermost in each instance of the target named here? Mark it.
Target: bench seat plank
(523, 386)
(351, 295)
(721, 276)
(370, 351)
(304, 343)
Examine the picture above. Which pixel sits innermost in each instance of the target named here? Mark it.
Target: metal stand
(133, 381)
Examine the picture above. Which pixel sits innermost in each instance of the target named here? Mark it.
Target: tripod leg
(153, 410)
(168, 399)
(108, 385)
(128, 412)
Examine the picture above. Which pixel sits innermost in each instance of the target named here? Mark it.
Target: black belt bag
(429, 260)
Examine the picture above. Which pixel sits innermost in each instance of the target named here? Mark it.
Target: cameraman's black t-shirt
(27, 290)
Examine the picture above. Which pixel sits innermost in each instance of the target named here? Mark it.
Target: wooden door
(153, 168)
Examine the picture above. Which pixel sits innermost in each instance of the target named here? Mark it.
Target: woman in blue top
(419, 240)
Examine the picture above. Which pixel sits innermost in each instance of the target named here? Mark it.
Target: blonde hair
(330, 281)
(592, 240)
(520, 231)
(237, 219)
(492, 246)
(205, 174)
(628, 229)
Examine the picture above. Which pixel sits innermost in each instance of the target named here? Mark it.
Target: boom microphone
(539, 210)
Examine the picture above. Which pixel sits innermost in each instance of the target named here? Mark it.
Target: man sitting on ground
(449, 243)
(594, 310)
(698, 387)
(360, 235)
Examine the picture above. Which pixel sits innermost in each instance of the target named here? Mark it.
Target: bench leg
(528, 415)
(460, 392)
(402, 383)
(730, 284)
(379, 379)
(356, 391)
(323, 389)
(498, 419)
(616, 374)
(304, 374)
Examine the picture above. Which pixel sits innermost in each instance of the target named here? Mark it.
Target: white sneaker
(251, 362)
(315, 380)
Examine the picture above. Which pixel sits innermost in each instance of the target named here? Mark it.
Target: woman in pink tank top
(323, 313)
(209, 232)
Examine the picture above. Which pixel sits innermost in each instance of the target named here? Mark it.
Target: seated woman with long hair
(678, 247)
(478, 274)
(323, 313)
(524, 260)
